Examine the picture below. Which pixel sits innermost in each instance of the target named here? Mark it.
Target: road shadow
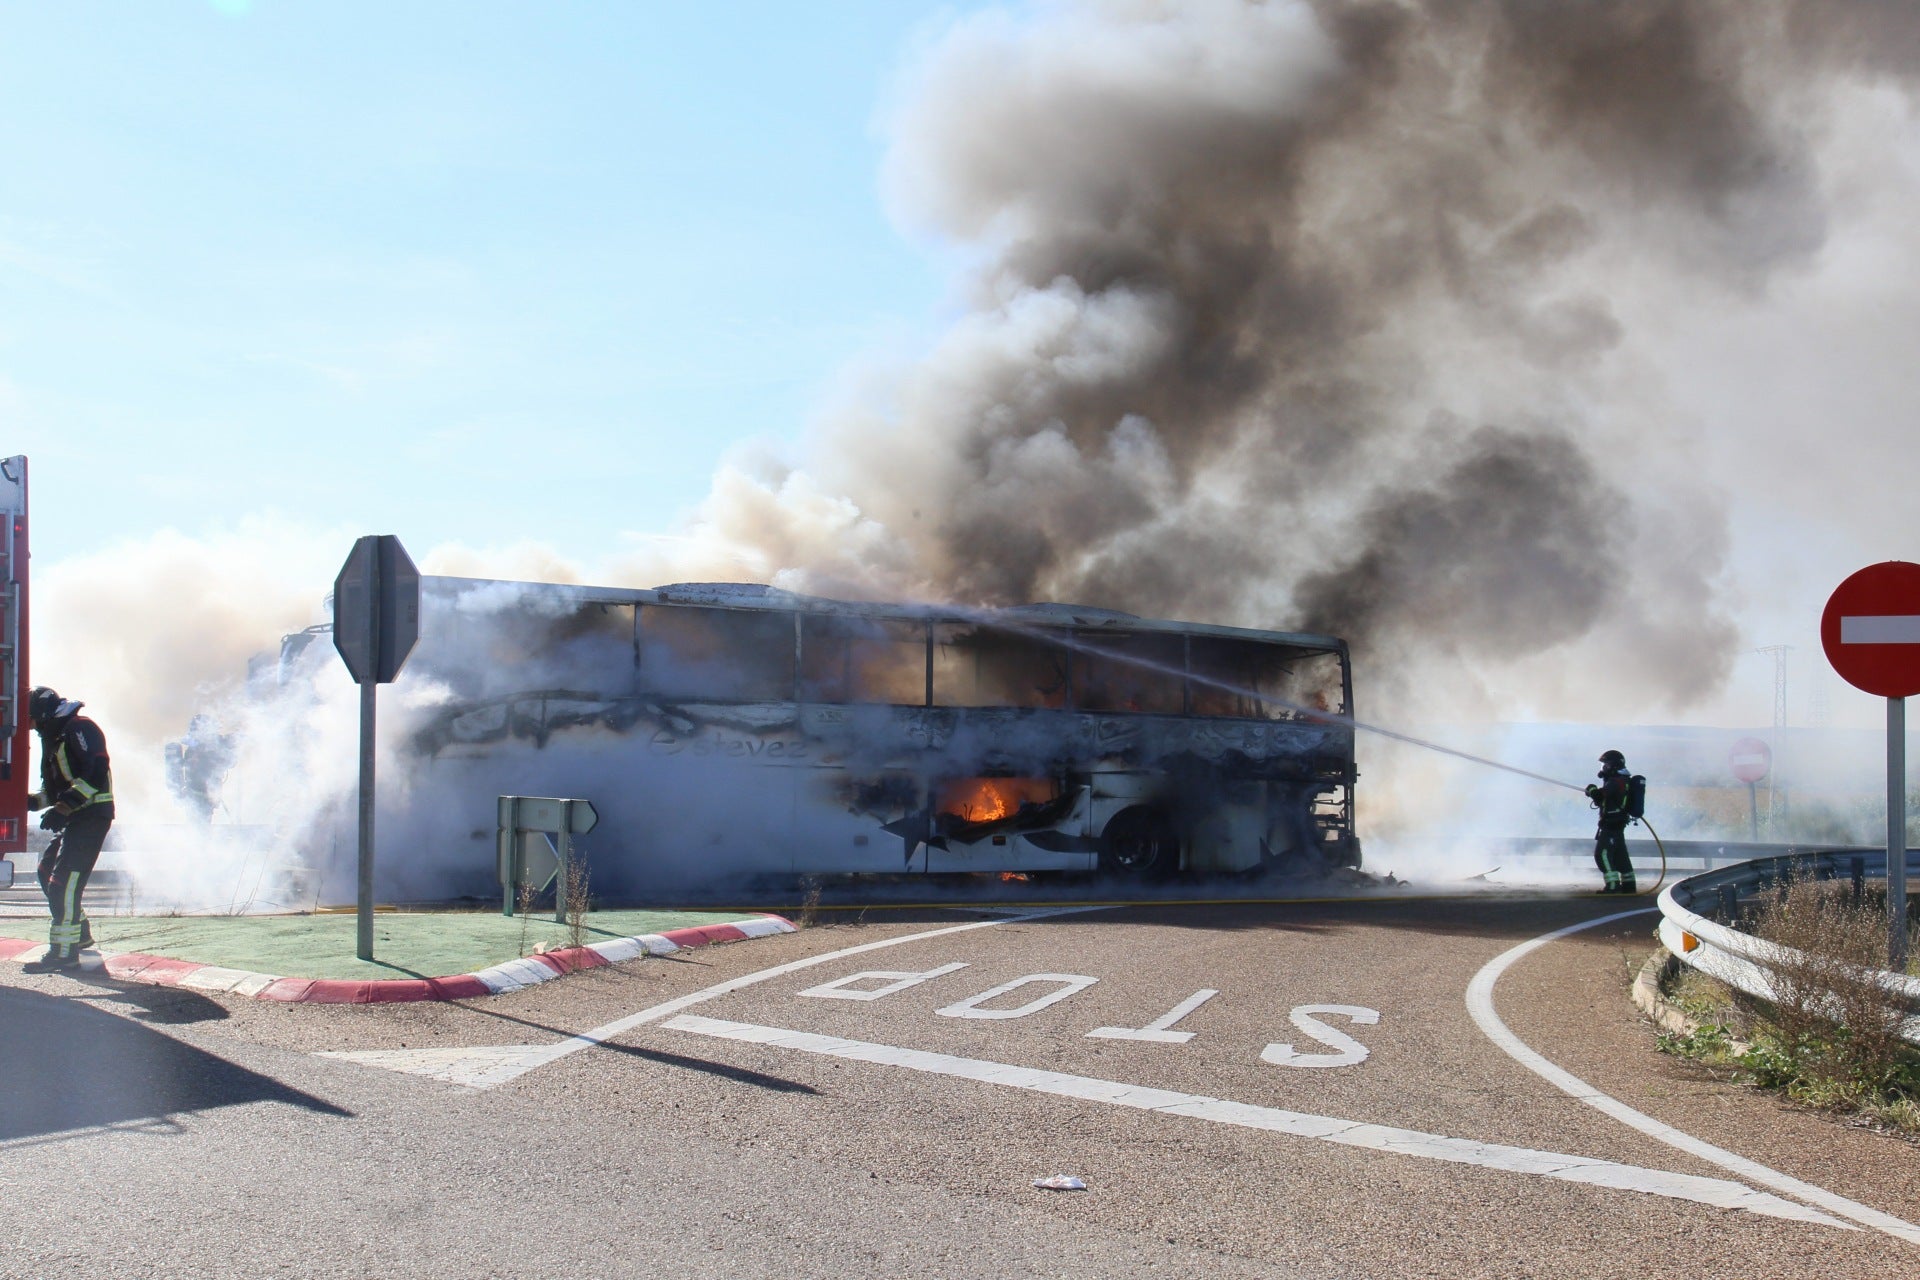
(74, 1066)
(1249, 901)
(165, 1006)
(739, 1075)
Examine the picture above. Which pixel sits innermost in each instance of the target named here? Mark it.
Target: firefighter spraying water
(1621, 797)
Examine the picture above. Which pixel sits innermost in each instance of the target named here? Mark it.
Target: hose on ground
(1663, 859)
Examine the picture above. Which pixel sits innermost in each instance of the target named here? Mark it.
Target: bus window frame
(1062, 643)
(923, 625)
(643, 688)
(1083, 644)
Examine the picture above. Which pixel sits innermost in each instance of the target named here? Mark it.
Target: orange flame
(992, 799)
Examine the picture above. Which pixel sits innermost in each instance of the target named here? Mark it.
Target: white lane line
(1480, 1005)
(484, 1066)
(1352, 1133)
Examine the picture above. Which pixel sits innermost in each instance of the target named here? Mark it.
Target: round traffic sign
(1871, 629)
(1750, 758)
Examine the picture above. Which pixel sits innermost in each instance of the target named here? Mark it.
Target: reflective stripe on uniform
(93, 794)
(71, 925)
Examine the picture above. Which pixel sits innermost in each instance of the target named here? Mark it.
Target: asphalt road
(879, 1098)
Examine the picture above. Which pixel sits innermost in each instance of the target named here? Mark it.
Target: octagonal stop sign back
(1871, 629)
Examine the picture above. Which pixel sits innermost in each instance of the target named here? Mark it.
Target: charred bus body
(738, 730)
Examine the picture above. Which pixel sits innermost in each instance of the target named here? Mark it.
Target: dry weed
(523, 904)
(578, 902)
(1836, 1020)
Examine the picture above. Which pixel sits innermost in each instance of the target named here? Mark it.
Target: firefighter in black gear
(76, 790)
(1609, 795)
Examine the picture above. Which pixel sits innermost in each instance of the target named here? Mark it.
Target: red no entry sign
(1871, 629)
(1750, 758)
(1871, 632)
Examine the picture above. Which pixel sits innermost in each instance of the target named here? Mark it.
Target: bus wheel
(1140, 843)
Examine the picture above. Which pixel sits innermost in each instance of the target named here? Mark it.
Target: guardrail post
(563, 853)
(1857, 872)
(555, 820)
(508, 851)
(1729, 902)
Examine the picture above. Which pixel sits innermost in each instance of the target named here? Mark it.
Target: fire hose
(1663, 859)
(1329, 717)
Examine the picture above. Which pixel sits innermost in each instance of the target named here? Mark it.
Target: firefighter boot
(52, 962)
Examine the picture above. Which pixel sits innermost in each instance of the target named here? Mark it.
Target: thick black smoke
(1308, 314)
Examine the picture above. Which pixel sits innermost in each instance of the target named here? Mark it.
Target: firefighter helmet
(1613, 758)
(42, 704)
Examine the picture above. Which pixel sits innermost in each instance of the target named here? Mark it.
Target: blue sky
(474, 272)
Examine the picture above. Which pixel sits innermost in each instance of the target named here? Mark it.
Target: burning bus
(738, 734)
(728, 732)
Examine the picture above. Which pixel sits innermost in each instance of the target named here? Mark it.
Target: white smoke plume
(147, 632)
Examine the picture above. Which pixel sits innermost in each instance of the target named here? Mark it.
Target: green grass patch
(406, 944)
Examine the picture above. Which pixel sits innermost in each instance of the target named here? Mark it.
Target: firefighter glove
(1593, 791)
(36, 801)
(53, 820)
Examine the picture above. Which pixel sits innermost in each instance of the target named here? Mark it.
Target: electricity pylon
(1776, 796)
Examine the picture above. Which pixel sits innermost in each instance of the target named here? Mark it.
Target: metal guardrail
(533, 865)
(1576, 852)
(1739, 959)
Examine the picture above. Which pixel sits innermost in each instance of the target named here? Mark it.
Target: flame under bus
(789, 734)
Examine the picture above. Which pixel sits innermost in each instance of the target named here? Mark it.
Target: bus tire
(1140, 843)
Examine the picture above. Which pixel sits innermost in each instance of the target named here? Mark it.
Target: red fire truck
(15, 749)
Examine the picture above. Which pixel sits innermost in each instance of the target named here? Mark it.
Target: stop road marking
(1158, 1030)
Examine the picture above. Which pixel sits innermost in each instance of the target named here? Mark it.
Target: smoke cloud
(1322, 315)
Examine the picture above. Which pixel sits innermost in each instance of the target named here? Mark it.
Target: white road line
(1352, 1133)
(484, 1066)
(1480, 1005)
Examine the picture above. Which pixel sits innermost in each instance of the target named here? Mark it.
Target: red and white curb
(132, 966)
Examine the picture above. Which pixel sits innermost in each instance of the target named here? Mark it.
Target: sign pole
(376, 620)
(1897, 834)
(1752, 760)
(1871, 632)
(364, 906)
(363, 946)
